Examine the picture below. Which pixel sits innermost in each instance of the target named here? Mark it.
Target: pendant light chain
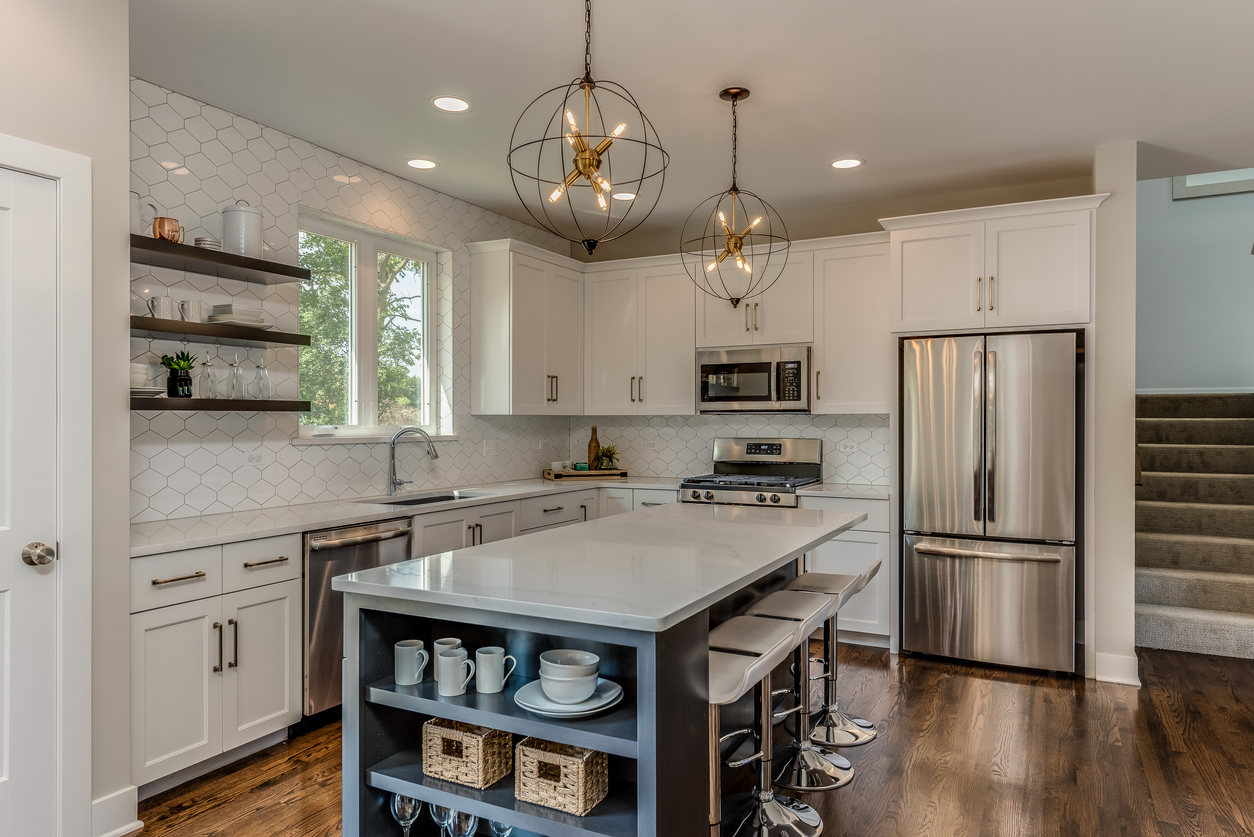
(587, 40)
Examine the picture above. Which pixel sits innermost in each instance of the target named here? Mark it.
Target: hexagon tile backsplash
(191, 159)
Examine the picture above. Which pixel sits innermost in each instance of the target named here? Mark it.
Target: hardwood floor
(962, 750)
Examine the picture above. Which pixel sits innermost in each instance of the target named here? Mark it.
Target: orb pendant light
(585, 160)
(734, 245)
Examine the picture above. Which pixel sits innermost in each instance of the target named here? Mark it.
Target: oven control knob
(761, 498)
(774, 498)
(709, 495)
(696, 495)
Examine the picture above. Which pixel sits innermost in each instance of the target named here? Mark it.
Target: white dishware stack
(241, 230)
(568, 676)
(232, 313)
(139, 381)
(205, 242)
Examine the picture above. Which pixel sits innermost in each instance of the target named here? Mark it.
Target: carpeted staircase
(1195, 524)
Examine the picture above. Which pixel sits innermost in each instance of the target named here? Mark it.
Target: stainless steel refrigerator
(990, 483)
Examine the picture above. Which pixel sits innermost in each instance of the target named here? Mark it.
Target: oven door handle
(373, 537)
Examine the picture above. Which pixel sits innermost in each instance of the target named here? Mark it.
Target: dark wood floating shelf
(162, 253)
(219, 405)
(228, 335)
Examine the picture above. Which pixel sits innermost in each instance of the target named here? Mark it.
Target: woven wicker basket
(465, 754)
(560, 776)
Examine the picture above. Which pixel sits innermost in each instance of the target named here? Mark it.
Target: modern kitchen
(526, 436)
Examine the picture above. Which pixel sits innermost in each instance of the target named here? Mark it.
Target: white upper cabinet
(784, 314)
(854, 353)
(639, 341)
(526, 323)
(1026, 264)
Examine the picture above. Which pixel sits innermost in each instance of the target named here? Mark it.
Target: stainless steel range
(757, 472)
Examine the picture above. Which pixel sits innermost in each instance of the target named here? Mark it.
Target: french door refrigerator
(990, 482)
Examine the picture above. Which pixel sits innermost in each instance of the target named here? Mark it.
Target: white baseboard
(1116, 668)
(1194, 390)
(209, 765)
(859, 638)
(114, 815)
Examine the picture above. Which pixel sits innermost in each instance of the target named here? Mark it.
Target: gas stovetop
(779, 483)
(757, 472)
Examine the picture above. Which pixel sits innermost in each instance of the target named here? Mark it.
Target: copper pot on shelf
(168, 228)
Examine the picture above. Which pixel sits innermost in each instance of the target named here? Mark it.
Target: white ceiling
(962, 96)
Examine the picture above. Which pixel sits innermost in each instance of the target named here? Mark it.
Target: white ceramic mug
(192, 310)
(411, 662)
(491, 669)
(450, 665)
(439, 647)
(161, 307)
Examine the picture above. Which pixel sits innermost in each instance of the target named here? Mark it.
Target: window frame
(364, 324)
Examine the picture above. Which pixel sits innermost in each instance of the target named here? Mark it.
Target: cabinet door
(785, 313)
(615, 501)
(853, 553)
(442, 531)
(718, 324)
(528, 292)
(645, 498)
(563, 340)
(589, 504)
(667, 386)
(612, 314)
(1038, 269)
(176, 696)
(261, 685)
(499, 522)
(937, 277)
(855, 355)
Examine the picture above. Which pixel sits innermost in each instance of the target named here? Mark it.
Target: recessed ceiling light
(624, 196)
(847, 163)
(452, 104)
(420, 163)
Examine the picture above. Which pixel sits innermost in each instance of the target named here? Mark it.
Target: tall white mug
(439, 647)
(192, 310)
(492, 674)
(161, 307)
(450, 665)
(411, 662)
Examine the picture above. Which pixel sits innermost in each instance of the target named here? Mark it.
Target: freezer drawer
(989, 601)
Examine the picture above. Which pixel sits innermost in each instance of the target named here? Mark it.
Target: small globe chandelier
(567, 177)
(734, 245)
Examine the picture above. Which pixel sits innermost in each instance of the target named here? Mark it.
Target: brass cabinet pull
(217, 626)
(248, 565)
(979, 292)
(746, 316)
(157, 582)
(818, 395)
(990, 293)
(550, 511)
(755, 316)
(633, 389)
(235, 662)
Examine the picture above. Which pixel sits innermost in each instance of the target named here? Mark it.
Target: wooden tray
(610, 474)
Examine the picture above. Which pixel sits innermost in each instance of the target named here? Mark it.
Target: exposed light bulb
(740, 262)
(756, 221)
(747, 268)
(557, 193)
(619, 129)
(721, 219)
(570, 117)
(601, 202)
(570, 139)
(709, 267)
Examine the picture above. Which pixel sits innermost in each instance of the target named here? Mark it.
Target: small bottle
(208, 383)
(238, 389)
(263, 389)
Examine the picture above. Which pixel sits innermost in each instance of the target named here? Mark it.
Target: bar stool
(806, 767)
(835, 728)
(761, 645)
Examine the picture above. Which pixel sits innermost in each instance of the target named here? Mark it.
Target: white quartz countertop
(646, 570)
(158, 536)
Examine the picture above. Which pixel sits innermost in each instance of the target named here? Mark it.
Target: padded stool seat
(751, 635)
(832, 584)
(733, 675)
(807, 610)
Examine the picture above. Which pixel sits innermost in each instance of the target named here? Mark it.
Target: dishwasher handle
(373, 537)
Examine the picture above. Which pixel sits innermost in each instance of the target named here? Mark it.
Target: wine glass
(405, 809)
(499, 829)
(442, 816)
(462, 824)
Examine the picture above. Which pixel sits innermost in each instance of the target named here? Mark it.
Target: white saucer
(532, 698)
(251, 322)
(147, 390)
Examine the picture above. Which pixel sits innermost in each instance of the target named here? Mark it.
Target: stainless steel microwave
(762, 379)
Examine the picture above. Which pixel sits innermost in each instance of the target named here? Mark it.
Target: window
(366, 307)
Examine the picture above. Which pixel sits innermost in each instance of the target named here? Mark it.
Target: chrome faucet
(393, 482)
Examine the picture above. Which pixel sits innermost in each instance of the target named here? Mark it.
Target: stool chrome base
(836, 729)
(779, 816)
(807, 768)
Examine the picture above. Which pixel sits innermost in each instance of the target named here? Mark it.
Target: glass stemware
(462, 824)
(442, 816)
(405, 809)
(499, 829)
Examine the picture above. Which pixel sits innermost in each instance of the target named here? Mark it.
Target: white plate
(531, 697)
(146, 390)
(239, 321)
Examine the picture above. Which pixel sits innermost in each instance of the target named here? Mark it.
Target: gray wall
(1194, 291)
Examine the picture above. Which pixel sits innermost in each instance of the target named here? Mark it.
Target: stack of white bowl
(569, 676)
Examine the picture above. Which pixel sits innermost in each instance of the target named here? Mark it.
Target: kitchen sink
(426, 499)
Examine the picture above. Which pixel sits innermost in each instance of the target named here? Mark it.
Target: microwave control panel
(790, 380)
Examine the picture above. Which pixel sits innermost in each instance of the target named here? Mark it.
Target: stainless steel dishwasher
(329, 553)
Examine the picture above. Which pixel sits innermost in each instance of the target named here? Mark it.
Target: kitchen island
(637, 589)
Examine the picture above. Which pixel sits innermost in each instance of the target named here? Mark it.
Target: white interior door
(29, 596)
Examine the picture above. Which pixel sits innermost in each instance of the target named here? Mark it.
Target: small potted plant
(607, 457)
(179, 383)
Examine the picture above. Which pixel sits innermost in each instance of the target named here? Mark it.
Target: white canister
(241, 230)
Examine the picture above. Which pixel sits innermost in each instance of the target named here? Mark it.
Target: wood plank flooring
(962, 750)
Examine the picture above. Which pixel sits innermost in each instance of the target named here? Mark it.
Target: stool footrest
(758, 756)
(729, 736)
(787, 712)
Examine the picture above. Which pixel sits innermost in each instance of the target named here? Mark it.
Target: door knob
(38, 554)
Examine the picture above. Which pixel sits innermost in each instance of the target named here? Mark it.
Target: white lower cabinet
(459, 528)
(852, 553)
(210, 675)
(615, 501)
(645, 498)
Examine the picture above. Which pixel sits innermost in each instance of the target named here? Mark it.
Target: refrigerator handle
(992, 437)
(977, 441)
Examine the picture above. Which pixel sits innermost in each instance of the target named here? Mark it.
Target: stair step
(1229, 592)
(1207, 553)
(1195, 630)
(1208, 459)
(1195, 431)
(1196, 405)
(1223, 489)
(1195, 519)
